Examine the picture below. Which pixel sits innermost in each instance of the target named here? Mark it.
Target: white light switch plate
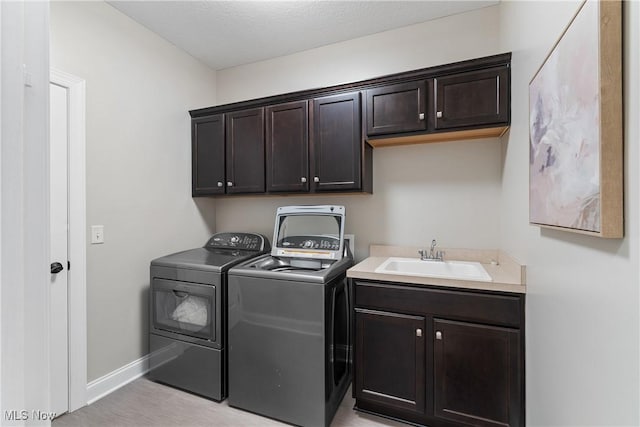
(97, 234)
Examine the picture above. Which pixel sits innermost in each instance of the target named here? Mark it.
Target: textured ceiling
(224, 34)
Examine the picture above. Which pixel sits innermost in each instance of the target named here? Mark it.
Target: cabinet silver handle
(418, 332)
(421, 116)
(438, 335)
(220, 184)
(316, 179)
(229, 184)
(439, 114)
(303, 179)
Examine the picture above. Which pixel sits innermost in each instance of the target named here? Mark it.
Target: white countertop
(507, 275)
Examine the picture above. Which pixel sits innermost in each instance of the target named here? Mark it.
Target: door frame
(77, 274)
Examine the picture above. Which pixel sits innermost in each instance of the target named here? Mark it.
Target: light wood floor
(145, 403)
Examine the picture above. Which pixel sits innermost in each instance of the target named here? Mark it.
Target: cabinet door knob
(220, 184)
(438, 335)
(439, 114)
(229, 184)
(421, 116)
(303, 179)
(316, 179)
(418, 332)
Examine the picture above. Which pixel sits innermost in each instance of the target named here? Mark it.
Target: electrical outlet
(97, 234)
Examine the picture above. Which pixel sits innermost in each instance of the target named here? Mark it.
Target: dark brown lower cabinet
(476, 368)
(439, 357)
(393, 378)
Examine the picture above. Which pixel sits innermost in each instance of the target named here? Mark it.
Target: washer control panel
(310, 242)
(243, 241)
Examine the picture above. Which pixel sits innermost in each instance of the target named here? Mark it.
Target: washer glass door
(184, 308)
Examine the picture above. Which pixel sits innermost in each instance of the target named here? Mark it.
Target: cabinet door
(288, 147)
(389, 360)
(397, 108)
(477, 376)
(336, 143)
(245, 151)
(207, 155)
(475, 98)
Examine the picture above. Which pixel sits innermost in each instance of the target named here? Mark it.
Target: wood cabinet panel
(470, 364)
(207, 155)
(245, 151)
(336, 143)
(397, 108)
(471, 97)
(474, 98)
(287, 139)
(390, 359)
(505, 310)
(477, 374)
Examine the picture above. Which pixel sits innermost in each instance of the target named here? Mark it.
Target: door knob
(439, 114)
(229, 184)
(220, 184)
(56, 267)
(438, 335)
(303, 179)
(316, 179)
(418, 332)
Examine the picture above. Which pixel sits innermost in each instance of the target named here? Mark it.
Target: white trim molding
(77, 274)
(99, 388)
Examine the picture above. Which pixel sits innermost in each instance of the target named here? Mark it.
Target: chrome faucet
(432, 255)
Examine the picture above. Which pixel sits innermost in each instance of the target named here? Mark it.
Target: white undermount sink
(460, 270)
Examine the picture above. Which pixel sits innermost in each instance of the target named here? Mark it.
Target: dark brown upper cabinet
(397, 108)
(321, 139)
(336, 143)
(245, 151)
(474, 98)
(208, 157)
(287, 146)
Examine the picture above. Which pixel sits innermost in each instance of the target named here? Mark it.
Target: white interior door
(59, 347)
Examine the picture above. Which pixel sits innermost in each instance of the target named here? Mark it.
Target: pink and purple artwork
(564, 130)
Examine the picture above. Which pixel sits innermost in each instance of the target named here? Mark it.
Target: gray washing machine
(188, 313)
(289, 320)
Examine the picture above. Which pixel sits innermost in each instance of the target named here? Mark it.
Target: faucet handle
(440, 255)
(422, 253)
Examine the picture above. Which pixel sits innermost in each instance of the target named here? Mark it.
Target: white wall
(582, 292)
(448, 191)
(139, 90)
(450, 39)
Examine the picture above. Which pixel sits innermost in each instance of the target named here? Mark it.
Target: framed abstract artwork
(575, 127)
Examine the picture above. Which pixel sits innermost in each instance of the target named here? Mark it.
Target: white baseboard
(99, 388)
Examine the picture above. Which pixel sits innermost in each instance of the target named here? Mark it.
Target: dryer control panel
(242, 241)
